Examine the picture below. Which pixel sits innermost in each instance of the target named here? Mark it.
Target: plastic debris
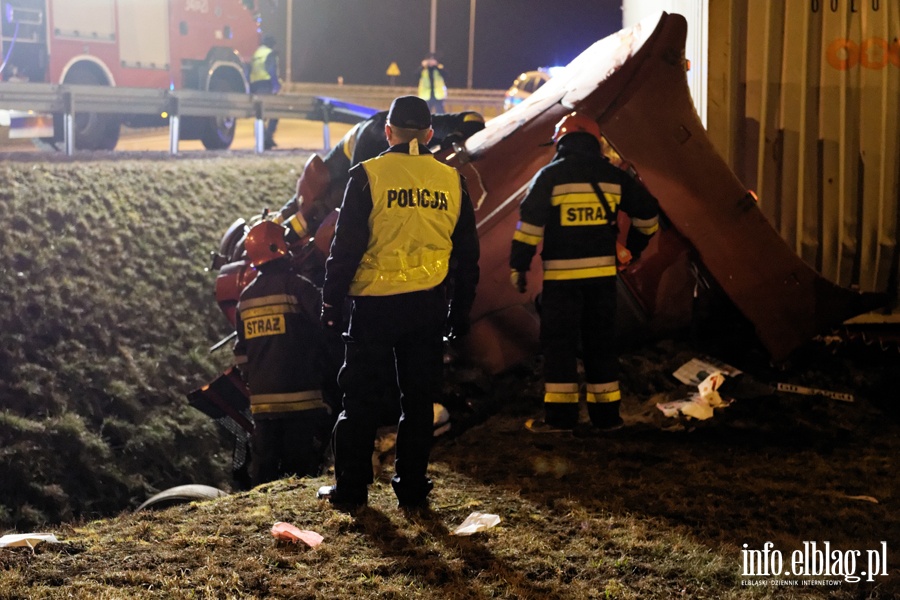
(441, 419)
(701, 405)
(26, 539)
(696, 370)
(476, 522)
(290, 533)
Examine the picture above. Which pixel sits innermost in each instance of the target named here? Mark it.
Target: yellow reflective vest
(425, 89)
(258, 71)
(415, 206)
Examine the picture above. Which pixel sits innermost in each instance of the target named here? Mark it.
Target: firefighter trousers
(391, 340)
(575, 314)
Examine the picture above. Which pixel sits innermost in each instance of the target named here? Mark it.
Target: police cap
(409, 112)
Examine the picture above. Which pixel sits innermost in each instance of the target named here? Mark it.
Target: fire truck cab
(159, 44)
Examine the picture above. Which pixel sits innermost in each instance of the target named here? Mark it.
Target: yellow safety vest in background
(258, 70)
(440, 88)
(415, 206)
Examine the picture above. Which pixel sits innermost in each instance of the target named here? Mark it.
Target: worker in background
(571, 206)
(264, 81)
(282, 357)
(432, 87)
(405, 231)
(365, 140)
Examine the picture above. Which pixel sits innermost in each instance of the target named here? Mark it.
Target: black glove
(332, 317)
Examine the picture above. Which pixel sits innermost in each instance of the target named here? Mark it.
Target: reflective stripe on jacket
(415, 206)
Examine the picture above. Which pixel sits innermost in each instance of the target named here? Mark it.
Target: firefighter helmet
(265, 242)
(575, 122)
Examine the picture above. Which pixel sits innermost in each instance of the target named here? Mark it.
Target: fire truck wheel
(218, 132)
(93, 131)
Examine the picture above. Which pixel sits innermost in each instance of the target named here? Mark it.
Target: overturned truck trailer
(633, 83)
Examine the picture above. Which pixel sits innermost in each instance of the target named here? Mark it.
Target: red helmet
(574, 122)
(265, 242)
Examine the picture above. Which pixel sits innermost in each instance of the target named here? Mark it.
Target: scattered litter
(441, 419)
(286, 531)
(799, 389)
(864, 499)
(700, 406)
(697, 369)
(26, 539)
(476, 522)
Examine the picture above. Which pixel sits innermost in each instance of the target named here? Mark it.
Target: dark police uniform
(406, 225)
(577, 226)
(281, 354)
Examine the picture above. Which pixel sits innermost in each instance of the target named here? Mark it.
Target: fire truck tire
(217, 133)
(93, 131)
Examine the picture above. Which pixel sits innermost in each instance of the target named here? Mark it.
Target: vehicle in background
(526, 84)
(163, 44)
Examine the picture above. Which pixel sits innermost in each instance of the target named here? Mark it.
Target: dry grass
(108, 328)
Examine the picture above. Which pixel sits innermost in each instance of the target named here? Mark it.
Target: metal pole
(259, 127)
(471, 42)
(69, 123)
(288, 40)
(432, 46)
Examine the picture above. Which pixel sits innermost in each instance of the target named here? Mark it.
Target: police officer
(571, 205)
(406, 228)
(365, 140)
(432, 87)
(264, 80)
(282, 358)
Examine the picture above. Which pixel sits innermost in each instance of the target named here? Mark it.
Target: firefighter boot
(605, 415)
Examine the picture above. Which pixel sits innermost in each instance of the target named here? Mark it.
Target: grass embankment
(109, 314)
(109, 324)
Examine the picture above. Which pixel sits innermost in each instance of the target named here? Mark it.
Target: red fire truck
(160, 44)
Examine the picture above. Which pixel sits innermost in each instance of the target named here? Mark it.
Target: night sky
(358, 39)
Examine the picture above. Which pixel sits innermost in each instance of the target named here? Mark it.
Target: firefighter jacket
(406, 222)
(431, 83)
(577, 226)
(280, 348)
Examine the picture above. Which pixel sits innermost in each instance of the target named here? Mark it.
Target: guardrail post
(326, 127)
(174, 125)
(259, 126)
(68, 122)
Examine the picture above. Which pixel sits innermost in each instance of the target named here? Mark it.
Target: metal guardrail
(71, 99)
(304, 101)
(488, 102)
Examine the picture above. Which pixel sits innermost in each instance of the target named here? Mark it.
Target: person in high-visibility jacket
(282, 356)
(264, 80)
(405, 231)
(571, 207)
(432, 87)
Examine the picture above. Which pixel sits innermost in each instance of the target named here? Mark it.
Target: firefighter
(264, 80)
(405, 229)
(571, 206)
(282, 357)
(432, 87)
